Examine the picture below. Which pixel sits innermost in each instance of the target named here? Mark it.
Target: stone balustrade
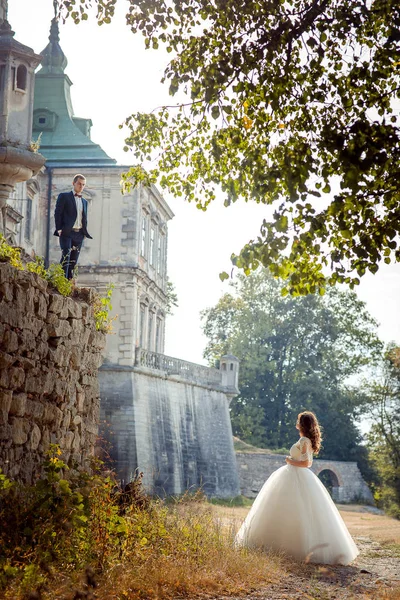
(175, 366)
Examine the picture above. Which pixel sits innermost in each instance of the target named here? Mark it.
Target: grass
(241, 446)
(68, 539)
(85, 538)
(199, 559)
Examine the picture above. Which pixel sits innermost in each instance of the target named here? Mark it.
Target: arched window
(21, 78)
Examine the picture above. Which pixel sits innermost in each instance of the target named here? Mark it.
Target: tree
(384, 437)
(284, 103)
(295, 354)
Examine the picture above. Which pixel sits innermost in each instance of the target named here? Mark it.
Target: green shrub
(54, 275)
(56, 278)
(72, 529)
(102, 308)
(10, 254)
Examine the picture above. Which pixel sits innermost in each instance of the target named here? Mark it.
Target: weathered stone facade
(50, 352)
(171, 420)
(346, 480)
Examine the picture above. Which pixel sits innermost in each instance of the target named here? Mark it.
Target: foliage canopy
(384, 437)
(290, 103)
(295, 354)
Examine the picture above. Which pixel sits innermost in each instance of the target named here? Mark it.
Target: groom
(71, 224)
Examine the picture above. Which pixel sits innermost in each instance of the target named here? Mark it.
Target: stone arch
(331, 480)
(332, 469)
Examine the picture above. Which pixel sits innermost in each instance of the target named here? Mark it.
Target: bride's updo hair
(309, 427)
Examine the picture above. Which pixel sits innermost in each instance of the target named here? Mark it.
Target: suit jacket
(65, 214)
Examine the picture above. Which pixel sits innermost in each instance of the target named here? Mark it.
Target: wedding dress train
(294, 512)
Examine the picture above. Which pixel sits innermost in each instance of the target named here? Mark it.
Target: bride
(294, 512)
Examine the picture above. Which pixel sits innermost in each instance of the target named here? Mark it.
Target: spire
(5, 27)
(54, 59)
(3, 10)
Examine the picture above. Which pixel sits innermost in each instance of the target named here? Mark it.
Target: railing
(176, 366)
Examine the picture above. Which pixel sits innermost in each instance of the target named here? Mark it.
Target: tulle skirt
(294, 513)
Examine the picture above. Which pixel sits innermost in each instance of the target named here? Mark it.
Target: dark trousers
(70, 248)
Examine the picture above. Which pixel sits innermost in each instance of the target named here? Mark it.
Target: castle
(165, 416)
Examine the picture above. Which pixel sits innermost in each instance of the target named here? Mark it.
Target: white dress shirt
(79, 209)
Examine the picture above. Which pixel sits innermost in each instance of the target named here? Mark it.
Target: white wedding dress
(294, 513)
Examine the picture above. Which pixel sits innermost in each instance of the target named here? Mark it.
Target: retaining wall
(50, 352)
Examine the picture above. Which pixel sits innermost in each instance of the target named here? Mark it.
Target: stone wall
(346, 480)
(177, 431)
(50, 352)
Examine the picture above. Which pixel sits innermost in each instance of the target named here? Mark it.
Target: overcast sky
(114, 76)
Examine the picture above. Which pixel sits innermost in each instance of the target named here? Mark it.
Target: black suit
(65, 215)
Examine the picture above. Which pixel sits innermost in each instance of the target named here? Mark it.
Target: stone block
(27, 339)
(76, 443)
(4, 378)
(41, 306)
(19, 301)
(74, 309)
(9, 314)
(124, 347)
(35, 437)
(125, 333)
(68, 439)
(34, 409)
(7, 273)
(52, 416)
(33, 324)
(56, 303)
(5, 403)
(6, 291)
(60, 328)
(67, 419)
(24, 279)
(80, 338)
(19, 430)
(29, 300)
(26, 363)
(39, 283)
(18, 404)
(6, 360)
(45, 441)
(16, 378)
(80, 404)
(10, 341)
(5, 432)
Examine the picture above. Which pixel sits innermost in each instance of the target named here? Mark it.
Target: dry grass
(380, 528)
(359, 521)
(198, 559)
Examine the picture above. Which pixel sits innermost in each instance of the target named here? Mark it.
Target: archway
(330, 481)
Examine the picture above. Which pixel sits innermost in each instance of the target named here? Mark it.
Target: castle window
(22, 78)
(159, 254)
(144, 231)
(28, 218)
(152, 236)
(231, 366)
(150, 331)
(2, 76)
(158, 335)
(142, 324)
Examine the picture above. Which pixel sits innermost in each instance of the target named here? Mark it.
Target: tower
(18, 159)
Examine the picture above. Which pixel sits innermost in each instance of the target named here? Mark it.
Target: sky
(113, 76)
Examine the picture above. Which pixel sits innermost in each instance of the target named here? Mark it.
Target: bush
(73, 531)
(56, 278)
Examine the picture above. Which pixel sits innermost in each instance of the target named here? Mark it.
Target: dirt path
(375, 574)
